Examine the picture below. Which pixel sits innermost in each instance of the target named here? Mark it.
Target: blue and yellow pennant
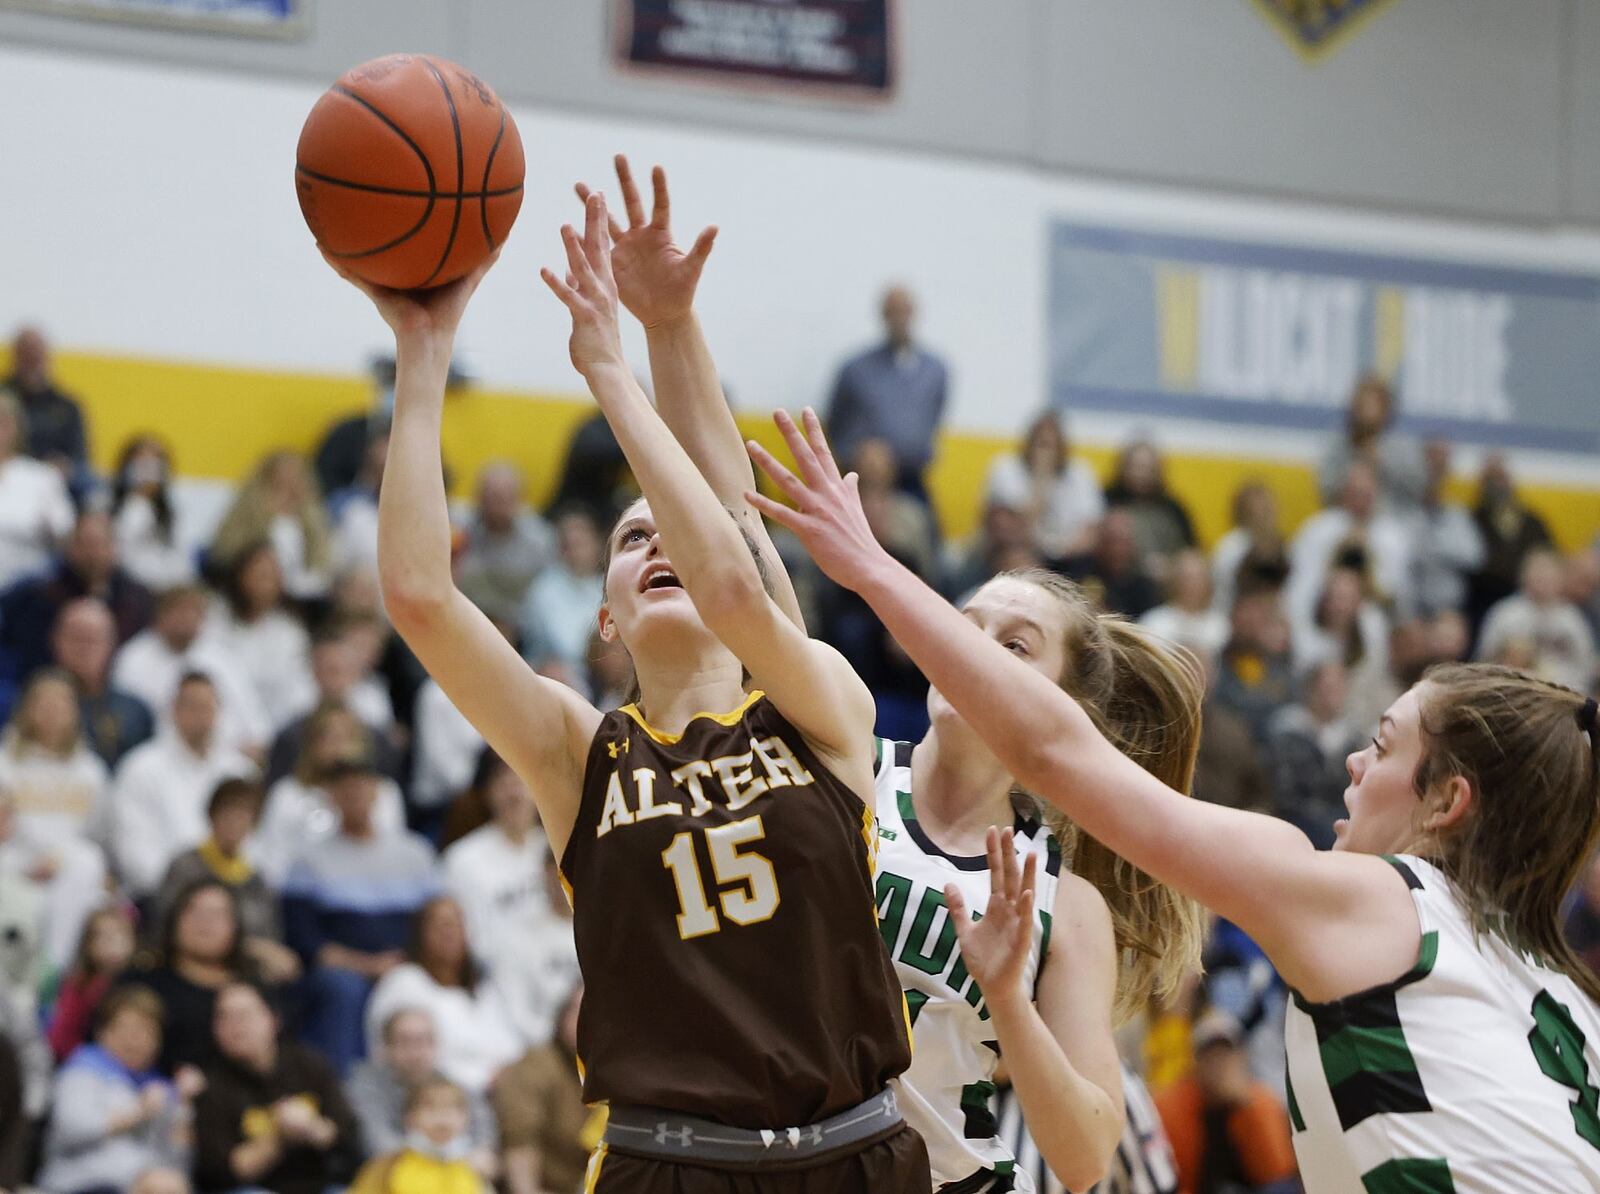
(1315, 27)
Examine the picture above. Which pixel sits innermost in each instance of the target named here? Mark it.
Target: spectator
(1228, 769)
(25, 1079)
(1004, 543)
(561, 605)
(114, 1116)
(1253, 677)
(596, 477)
(145, 519)
(1228, 1131)
(895, 392)
(900, 522)
(35, 508)
(496, 872)
(155, 661)
(158, 806)
(343, 449)
(272, 1116)
(300, 809)
(354, 510)
(1307, 744)
(55, 420)
(161, 1180)
(232, 812)
(267, 643)
(348, 907)
(82, 644)
(379, 1087)
(1582, 586)
(340, 676)
(507, 545)
(1349, 627)
(1255, 542)
(1395, 459)
(200, 951)
(1548, 634)
(1510, 531)
(546, 1132)
(433, 1157)
(1582, 925)
(23, 919)
(611, 676)
(1189, 616)
(1114, 574)
(447, 750)
(58, 787)
(1447, 546)
(1057, 493)
(1353, 534)
(280, 503)
(1161, 525)
(87, 567)
(477, 1038)
(104, 951)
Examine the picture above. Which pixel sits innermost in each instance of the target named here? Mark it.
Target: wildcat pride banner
(1276, 335)
(271, 18)
(837, 46)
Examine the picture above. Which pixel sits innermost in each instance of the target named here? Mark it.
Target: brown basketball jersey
(722, 893)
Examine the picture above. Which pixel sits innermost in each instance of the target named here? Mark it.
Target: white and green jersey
(946, 1093)
(1473, 1073)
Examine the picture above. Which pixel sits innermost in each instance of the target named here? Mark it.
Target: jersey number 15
(747, 887)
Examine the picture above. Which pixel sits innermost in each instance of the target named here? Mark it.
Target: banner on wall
(840, 46)
(272, 18)
(1272, 335)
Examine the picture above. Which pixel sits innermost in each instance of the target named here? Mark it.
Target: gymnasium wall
(149, 221)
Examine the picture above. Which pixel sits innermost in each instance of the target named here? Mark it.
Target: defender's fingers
(791, 485)
(617, 230)
(801, 449)
(702, 247)
(818, 440)
(630, 191)
(661, 217)
(785, 516)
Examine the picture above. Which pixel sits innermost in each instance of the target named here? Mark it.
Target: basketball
(409, 171)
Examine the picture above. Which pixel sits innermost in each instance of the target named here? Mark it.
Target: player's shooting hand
(656, 280)
(995, 947)
(826, 515)
(590, 292)
(433, 314)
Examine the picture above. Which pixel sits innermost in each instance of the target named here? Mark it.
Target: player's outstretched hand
(995, 947)
(826, 516)
(590, 292)
(656, 280)
(409, 313)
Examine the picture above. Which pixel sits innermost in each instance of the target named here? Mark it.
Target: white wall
(150, 210)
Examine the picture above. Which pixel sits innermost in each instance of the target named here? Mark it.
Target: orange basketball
(409, 171)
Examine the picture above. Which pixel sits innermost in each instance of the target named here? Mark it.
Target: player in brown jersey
(741, 1015)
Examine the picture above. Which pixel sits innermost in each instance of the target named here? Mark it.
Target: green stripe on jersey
(1409, 1175)
(1353, 1050)
(981, 1123)
(1296, 1120)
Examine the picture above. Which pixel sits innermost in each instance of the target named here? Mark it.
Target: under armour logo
(682, 1137)
(614, 748)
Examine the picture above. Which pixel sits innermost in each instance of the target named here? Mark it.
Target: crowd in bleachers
(274, 918)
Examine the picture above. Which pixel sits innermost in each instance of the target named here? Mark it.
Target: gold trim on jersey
(591, 1179)
(722, 719)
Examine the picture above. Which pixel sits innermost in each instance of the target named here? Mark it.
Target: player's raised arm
(808, 682)
(656, 282)
(1259, 872)
(540, 727)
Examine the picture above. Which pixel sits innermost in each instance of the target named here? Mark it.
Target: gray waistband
(646, 1131)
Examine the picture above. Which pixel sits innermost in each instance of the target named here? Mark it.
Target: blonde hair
(249, 520)
(22, 734)
(1522, 745)
(1144, 695)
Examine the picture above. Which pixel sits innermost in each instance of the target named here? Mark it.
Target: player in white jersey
(1443, 1037)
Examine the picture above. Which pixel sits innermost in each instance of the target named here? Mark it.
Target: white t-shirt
(500, 887)
(273, 654)
(447, 749)
(298, 814)
(35, 514)
(151, 670)
(1205, 632)
(1074, 500)
(58, 800)
(156, 561)
(474, 1030)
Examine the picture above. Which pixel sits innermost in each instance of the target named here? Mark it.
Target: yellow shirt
(413, 1173)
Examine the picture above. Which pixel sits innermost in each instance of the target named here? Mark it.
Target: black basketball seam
(483, 191)
(427, 167)
(405, 192)
(461, 169)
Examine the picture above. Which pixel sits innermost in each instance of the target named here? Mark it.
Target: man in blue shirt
(895, 392)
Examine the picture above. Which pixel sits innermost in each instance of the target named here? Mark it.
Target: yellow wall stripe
(221, 420)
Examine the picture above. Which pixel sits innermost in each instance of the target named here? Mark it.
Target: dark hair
(232, 792)
(140, 1000)
(471, 972)
(1534, 772)
(166, 951)
(196, 676)
(232, 579)
(489, 765)
(162, 501)
(80, 967)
